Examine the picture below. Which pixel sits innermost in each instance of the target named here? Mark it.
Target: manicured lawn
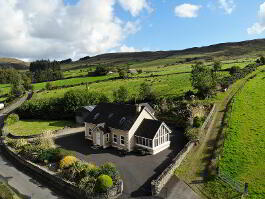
(243, 154)
(33, 127)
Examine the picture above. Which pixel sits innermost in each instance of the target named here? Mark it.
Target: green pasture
(243, 154)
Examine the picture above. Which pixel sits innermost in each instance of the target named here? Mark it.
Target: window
(122, 142)
(144, 142)
(156, 142)
(89, 132)
(107, 137)
(115, 138)
(150, 143)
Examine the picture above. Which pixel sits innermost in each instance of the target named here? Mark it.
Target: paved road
(23, 183)
(15, 105)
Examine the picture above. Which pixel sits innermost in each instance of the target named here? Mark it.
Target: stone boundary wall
(56, 182)
(208, 119)
(158, 183)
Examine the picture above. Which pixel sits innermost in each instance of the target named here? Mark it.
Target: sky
(61, 29)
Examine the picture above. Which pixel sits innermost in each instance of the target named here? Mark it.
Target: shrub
(61, 153)
(110, 170)
(104, 182)
(120, 95)
(87, 184)
(49, 155)
(67, 161)
(30, 152)
(197, 122)
(192, 133)
(44, 142)
(49, 86)
(12, 119)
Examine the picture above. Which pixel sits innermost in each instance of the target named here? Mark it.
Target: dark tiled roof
(148, 128)
(118, 116)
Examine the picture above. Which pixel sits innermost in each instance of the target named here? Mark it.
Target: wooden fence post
(246, 189)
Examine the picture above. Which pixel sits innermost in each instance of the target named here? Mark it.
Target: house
(132, 71)
(82, 113)
(126, 127)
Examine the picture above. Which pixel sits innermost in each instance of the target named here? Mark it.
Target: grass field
(33, 127)
(72, 81)
(243, 154)
(172, 85)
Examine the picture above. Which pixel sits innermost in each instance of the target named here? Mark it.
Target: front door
(98, 138)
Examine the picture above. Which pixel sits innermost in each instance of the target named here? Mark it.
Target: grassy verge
(7, 193)
(33, 127)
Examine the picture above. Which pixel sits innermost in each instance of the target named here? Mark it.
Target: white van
(2, 106)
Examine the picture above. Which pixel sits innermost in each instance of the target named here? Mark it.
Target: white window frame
(107, 137)
(121, 136)
(113, 139)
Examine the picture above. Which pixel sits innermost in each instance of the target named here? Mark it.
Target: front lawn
(33, 127)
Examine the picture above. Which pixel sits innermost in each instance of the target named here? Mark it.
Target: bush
(110, 170)
(12, 119)
(104, 182)
(49, 86)
(67, 161)
(197, 122)
(87, 184)
(192, 133)
(16, 143)
(30, 152)
(120, 95)
(44, 142)
(49, 155)
(61, 153)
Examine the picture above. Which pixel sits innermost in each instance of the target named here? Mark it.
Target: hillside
(13, 63)
(222, 51)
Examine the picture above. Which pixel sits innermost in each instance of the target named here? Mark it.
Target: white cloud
(125, 48)
(50, 29)
(135, 6)
(259, 27)
(187, 10)
(227, 5)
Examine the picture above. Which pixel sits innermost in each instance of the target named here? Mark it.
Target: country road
(13, 176)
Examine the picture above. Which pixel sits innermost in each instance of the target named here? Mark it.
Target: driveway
(136, 171)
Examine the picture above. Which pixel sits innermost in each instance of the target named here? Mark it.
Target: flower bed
(83, 179)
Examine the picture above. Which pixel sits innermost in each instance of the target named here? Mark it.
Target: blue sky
(59, 29)
(163, 30)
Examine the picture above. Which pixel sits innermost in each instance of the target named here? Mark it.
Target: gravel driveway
(137, 171)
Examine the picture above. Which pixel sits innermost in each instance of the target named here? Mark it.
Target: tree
(49, 86)
(101, 70)
(234, 69)
(203, 79)
(146, 92)
(217, 66)
(17, 90)
(122, 74)
(120, 95)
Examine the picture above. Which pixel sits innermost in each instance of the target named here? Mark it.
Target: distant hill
(251, 48)
(13, 63)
